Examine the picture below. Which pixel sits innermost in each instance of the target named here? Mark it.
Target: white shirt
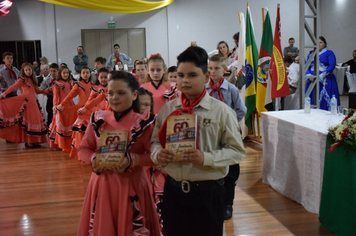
(293, 75)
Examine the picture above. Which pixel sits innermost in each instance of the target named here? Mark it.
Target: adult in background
(290, 50)
(36, 68)
(117, 57)
(80, 60)
(44, 61)
(224, 50)
(327, 80)
(352, 64)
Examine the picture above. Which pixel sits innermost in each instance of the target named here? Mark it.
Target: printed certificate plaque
(181, 133)
(112, 148)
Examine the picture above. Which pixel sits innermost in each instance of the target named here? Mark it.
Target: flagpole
(263, 18)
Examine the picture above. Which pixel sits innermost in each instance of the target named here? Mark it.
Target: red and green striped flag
(263, 64)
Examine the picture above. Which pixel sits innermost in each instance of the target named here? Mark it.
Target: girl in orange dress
(92, 105)
(118, 200)
(157, 84)
(61, 88)
(21, 117)
(67, 113)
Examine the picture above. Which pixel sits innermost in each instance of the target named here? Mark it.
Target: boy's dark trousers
(199, 211)
(230, 183)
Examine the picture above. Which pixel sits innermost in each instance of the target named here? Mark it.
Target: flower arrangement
(345, 132)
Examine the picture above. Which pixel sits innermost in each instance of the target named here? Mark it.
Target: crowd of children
(156, 194)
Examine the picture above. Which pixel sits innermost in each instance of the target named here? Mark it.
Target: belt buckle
(185, 186)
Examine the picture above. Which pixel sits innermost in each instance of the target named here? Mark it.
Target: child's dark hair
(59, 76)
(32, 77)
(143, 91)
(195, 55)
(100, 60)
(7, 54)
(54, 65)
(172, 69)
(101, 70)
(218, 58)
(132, 83)
(84, 68)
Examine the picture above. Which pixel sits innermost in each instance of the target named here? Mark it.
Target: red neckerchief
(11, 72)
(216, 88)
(117, 58)
(51, 82)
(187, 108)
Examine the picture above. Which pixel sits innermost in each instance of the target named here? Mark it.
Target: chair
(351, 79)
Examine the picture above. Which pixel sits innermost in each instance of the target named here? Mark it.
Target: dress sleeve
(74, 92)
(332, 62)
(88, 146)
(144, 140)
(95, 101)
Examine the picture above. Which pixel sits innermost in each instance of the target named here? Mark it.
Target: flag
(280, 86)
(251, 65)
(263, 64)
(241, 56)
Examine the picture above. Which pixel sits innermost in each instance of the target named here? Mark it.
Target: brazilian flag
(251, 67)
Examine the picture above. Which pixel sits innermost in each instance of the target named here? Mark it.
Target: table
(338, 196)
(339, 73)
(293, 153)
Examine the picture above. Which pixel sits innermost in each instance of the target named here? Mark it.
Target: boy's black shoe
(228, 213)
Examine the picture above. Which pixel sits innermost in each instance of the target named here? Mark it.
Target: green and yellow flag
(251, 66)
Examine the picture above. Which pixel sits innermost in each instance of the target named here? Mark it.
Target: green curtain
(338, 195)
(115, 6)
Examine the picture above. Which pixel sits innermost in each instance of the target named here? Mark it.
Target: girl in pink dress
(21, 117)
(67, 113)
(157, 84)
(156, 177)
(61, 88)
(92, 105)
(119, 200)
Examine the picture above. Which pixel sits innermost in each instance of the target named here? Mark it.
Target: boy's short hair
(7, 54)
(172, 69)
(100, 60)
(218, 58)
(291, 39)
(288, 59)
(54, 65)
(116, 45)
(103, 70)
(195, 55)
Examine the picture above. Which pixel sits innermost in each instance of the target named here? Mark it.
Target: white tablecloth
(294, 151)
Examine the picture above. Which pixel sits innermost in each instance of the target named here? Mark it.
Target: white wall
(169, 30)
(338, 19)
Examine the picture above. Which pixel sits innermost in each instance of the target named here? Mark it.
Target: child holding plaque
(193, 198)
(118, 200)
